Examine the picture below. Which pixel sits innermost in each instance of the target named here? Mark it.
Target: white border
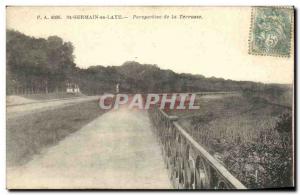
(3, 3)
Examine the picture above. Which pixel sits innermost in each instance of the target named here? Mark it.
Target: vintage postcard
(193, 98)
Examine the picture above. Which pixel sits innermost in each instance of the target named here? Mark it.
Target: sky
(214, 45)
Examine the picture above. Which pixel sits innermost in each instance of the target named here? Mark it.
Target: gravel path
(116, 150)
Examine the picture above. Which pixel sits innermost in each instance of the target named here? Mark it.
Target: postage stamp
(271, 31)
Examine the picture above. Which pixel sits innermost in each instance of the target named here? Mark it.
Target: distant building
(72, 88)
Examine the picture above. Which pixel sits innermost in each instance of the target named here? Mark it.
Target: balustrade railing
(190, 166)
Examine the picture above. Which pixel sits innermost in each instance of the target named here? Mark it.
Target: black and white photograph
(150, 98)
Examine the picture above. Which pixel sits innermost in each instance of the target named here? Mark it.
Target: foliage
(250, 136)
(38, 65)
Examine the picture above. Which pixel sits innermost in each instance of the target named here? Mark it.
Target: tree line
(38, 65)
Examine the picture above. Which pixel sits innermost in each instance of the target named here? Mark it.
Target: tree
(37, 65)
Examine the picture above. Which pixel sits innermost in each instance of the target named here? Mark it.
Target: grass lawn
(240, 132)
(28, 135)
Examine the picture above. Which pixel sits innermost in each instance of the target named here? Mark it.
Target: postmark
(271, 31)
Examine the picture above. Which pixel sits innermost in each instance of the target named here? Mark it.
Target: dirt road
(116, 150)
(21, 110)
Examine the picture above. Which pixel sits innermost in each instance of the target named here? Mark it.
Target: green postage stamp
(271, 31)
